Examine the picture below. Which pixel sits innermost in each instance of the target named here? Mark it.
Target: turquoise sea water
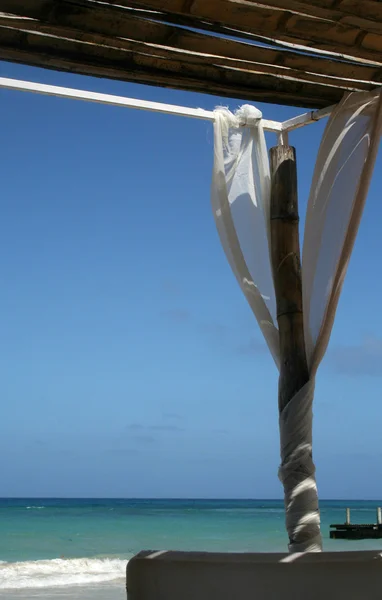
(49, 545)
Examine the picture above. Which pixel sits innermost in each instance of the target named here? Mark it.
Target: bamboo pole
(299, 485)
(287, 272)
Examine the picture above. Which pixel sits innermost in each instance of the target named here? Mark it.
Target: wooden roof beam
(209, 47)
(107, 22)
(356, 14)
(88, 59)
(350, 41)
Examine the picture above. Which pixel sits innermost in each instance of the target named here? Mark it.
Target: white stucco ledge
(167, 575)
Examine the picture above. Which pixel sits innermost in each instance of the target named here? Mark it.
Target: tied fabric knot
(249, 116)
(245, 116)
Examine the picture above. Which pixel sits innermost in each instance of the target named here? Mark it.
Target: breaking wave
(60, 572)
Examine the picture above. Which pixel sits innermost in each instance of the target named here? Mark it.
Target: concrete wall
(210, 576)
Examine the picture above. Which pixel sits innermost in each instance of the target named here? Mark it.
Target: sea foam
(60, 572)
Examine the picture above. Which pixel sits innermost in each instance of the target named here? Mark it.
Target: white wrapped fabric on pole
(241, 206)
(297, 472)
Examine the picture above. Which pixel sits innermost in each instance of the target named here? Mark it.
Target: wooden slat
(327, 9)
(281, 25)
(193, 57)
(114, 39)
(106, 21)
(198, 47)
(88, 59)
(300, 6)
(111, 21)
(370, 10)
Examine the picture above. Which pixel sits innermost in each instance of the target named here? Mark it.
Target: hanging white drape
(340, 184)
(241, 206)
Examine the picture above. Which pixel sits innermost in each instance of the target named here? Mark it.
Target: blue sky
(131, 364)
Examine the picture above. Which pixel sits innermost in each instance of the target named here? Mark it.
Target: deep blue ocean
(50, 544)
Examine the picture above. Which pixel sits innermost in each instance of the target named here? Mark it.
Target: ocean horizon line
(181, 498)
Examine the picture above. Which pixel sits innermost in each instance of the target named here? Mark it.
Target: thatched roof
(296, 52)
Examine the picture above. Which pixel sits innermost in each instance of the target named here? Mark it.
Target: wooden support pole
(379, 515)
(301, 501)
(348, 516)
(286, 266)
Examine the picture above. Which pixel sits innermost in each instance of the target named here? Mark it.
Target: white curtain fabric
(340, 184)
(241, 206)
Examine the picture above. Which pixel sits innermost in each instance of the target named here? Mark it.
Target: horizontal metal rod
(73, 94)
(305, 119)
(62, 92)
(182, 111)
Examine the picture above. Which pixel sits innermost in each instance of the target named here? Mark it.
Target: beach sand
(109, 591)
